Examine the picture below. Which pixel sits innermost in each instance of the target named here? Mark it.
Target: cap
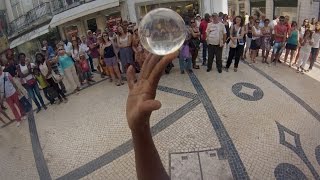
(198, 15)
(44, 48)
(214, 14)
(89, 31)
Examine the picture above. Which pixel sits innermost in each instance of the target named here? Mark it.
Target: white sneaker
(24, 118)
(18, 124)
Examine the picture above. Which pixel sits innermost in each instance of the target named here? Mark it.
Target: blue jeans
(204, 52)
(34, 91)
(185, 63)
(314, 54)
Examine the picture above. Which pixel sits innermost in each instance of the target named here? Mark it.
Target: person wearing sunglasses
(305, 26)
(315, 46)
(266, 39)
(68, 69)
(280, 35)
(292, 42)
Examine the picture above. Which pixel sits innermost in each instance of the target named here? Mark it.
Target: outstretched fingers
(131, 77)
(152, 62)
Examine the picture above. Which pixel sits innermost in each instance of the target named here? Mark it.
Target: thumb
(150, 105)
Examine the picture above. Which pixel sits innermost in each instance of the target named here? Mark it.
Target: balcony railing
(59, 6)
(32, 16)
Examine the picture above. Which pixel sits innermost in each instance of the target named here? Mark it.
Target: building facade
(31, 21)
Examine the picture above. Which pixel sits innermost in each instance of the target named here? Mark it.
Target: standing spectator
(67, 67)
(85, 69)
(75, 55)
(248, 29)
(312, 24)
(198, 20)
(185, 57)
(236, 38)
(44, 85)
(246, 18)
(266, 41)
(203, 28)
(280, 31)
(315, 46)
(306, 45)
(10, 93)
(139, 51)
(256, 41)
(28, 81)
(194, 43)
(216, 37)
(94, 49)
(305, 26)
(227, 26)
(49, 50)
(292, 42)
(67, 46)
(46, 70)
(124, 40)
(110, 59)
(84, 47)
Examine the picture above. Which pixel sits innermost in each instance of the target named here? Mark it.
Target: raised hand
(142, 92)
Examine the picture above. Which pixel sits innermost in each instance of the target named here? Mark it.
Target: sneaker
(226, 69)
(45, 107)
(24, 118)
(18, 124)
(219, 70)
(279, 61)
(208, 70)
(235, 69)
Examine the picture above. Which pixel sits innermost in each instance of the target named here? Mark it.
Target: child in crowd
(43, 84)
(305, 50)
(185, 58)
(85, 68)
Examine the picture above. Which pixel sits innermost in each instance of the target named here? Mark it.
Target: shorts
(126, 55)
(277, 48)
(254, 45)
(291, 47)
(111, 61)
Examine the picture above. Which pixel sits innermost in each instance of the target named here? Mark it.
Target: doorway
(92, 25)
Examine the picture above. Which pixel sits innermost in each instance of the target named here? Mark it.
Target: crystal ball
(162, 31)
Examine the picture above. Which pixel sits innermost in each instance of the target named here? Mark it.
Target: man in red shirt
(202, 29)
(280, 33)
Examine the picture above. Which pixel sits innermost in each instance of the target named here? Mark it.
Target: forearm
(148, 162)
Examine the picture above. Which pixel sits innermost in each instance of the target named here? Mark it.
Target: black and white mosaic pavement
(237, 167)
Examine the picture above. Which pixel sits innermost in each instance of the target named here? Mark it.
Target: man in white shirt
(198, 20)
(216, 38)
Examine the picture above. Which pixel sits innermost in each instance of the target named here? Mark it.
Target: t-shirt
(6, 85)
(41, 80)
(202, 28)
(282, 30)
(215, 33)
(316, 38)
(65, 61)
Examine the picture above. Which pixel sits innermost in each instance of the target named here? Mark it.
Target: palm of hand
(140, 102)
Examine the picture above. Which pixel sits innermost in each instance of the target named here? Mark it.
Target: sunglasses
(192, 21)
(281, 20)
(60, 49)
(257, 22)
(104, 35)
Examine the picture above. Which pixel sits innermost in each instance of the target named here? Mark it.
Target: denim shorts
(277, 48)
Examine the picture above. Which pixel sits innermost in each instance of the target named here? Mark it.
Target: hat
(198, 15)
(89, 31)
(44, 48)
(214, 14)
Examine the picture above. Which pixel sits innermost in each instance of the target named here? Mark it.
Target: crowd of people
(113, 50)
(110, 53)
(242, 36)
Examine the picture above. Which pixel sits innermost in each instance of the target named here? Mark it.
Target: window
(16, 8)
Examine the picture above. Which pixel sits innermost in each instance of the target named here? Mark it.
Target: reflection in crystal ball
(162, 31)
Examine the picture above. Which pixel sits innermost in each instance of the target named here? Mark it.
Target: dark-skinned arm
(140, 104)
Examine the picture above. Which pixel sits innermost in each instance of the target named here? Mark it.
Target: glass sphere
(162, 31)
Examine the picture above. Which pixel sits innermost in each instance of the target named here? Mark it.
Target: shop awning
(82, 10)
(29, 36)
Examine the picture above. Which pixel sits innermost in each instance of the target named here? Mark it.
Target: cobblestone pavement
(258, 123)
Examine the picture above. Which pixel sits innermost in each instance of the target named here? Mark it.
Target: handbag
(26, 105)
(31, 82)
(56, 77)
